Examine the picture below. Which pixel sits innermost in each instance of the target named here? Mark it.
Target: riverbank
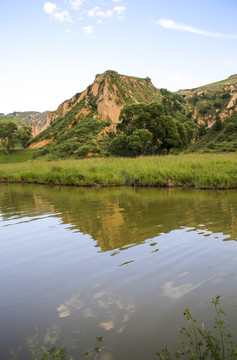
(201, 171)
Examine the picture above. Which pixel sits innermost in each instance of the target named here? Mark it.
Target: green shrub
(198, 343)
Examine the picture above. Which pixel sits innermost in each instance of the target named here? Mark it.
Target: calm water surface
(121, 263)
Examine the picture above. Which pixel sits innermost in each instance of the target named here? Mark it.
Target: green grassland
(16, 156)
(202, 171)
(232, 80)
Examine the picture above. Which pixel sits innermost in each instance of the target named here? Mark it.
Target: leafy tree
(133, 117)
(172, 137)
(24, 135)
(218, 126)
(166, 132)
(8, 132)
(202, 130)
(120, 145)
(226, 94)
(190, 128)
(140, 140)
(183, 133)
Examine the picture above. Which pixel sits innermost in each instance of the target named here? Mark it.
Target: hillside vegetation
(212, 102)
(30, 118)
(36, 120)
(221, 137)
(122, 115)
(86, 125)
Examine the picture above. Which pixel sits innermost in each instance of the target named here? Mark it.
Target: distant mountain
(35, 119)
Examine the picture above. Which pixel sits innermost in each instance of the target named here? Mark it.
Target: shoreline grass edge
(201, 171)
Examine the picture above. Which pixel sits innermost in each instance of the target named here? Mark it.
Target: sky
(51, 50)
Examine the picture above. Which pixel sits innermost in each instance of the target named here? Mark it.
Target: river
(120, 263)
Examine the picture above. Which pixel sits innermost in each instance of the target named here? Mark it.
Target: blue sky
(51, 50)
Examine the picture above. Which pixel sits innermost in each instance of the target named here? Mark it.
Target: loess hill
(214, 109)
(83, 125)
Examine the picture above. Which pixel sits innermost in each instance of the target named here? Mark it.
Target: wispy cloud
(62, 16)
(170, 24)
(97, 12)
(106, 9)
(88, 29)
(119, 9)
(76, 4)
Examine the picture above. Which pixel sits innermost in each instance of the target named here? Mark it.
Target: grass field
(16, 156)
(203, 171)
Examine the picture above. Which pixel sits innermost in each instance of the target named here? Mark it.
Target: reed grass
(202, 171)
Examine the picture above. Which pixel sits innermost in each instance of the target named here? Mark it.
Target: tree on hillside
(8, 132)
(133, 117)
(165, 131)
(140, 140)
(24, 135)
(170, 136)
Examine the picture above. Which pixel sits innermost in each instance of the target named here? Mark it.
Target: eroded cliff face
(104, 99)
(109, 100)
(110, 92)
(64, 107)
(211, 101)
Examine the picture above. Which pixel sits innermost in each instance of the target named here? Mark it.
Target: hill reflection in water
(121, 217)
(146, 255)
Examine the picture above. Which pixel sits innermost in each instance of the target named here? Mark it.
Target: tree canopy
(10, 135)
(148, 129)
(24, 135)
(8, 130)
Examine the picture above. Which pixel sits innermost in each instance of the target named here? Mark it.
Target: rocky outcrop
(214, 100)
(105, 98)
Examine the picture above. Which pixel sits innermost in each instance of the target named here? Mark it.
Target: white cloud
(119, 9)
(49, 7)
(96, 11)
(170, 24)
(93, 11)
(76, 4)
(88, 29)
(62, 16)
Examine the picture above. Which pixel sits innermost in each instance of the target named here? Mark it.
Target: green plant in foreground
(95, 352)
(41, 353)
(198, 343)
